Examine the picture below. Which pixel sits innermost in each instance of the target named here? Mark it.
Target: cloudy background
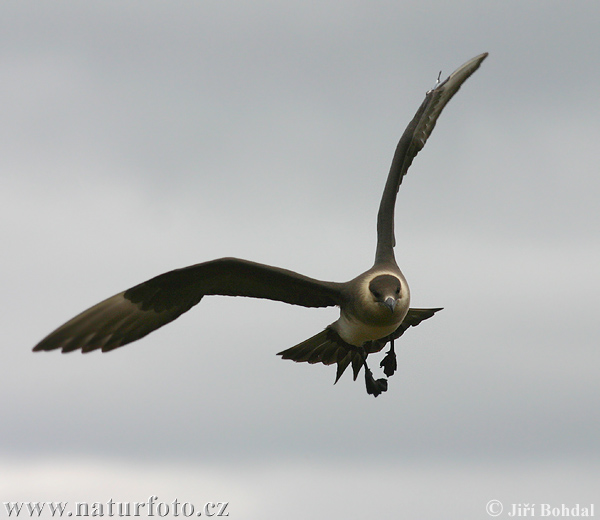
(137, 137)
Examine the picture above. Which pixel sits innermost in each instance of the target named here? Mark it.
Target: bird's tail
(328, 348)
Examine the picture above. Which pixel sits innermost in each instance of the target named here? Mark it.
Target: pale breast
(356, 332)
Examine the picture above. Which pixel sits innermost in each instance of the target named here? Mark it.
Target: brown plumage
(374, 306)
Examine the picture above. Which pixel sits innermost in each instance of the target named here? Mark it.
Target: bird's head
(386, 290)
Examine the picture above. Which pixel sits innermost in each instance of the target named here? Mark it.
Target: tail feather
(323, 347)
(331, 353)
(357, 363)
(343, 365)
(328, 348)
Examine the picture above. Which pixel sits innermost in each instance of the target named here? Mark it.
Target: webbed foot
(374, 387)
(389, 362)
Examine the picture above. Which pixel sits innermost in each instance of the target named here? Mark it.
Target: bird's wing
(412, 141)
(412, 319)
(132, 314)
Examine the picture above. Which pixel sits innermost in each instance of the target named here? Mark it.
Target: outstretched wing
(412, 319)
(328, 348)
(132, 314)
(411, 143)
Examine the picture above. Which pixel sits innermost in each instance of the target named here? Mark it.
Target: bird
(374, 307)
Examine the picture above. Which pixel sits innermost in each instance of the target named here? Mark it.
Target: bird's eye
(377, 294)
(398, 290)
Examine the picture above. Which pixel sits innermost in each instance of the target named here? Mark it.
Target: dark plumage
(374, 306)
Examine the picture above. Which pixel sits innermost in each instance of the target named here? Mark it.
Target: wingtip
(473, 64)
(478, 59)
(481, 57)
(43, 346)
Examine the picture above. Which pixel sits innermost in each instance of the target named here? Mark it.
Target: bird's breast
(356, 332)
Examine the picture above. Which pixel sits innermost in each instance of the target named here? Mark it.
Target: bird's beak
(390, 303)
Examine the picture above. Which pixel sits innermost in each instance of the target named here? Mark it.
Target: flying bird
(374, 306)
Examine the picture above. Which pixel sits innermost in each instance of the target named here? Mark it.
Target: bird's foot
(389, 363)
(374, 387)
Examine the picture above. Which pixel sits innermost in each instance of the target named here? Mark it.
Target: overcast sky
(138, 137)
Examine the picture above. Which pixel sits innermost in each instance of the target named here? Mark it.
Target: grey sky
(139, 137)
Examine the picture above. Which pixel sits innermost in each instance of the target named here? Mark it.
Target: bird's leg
(389, 362)
(374, 387)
